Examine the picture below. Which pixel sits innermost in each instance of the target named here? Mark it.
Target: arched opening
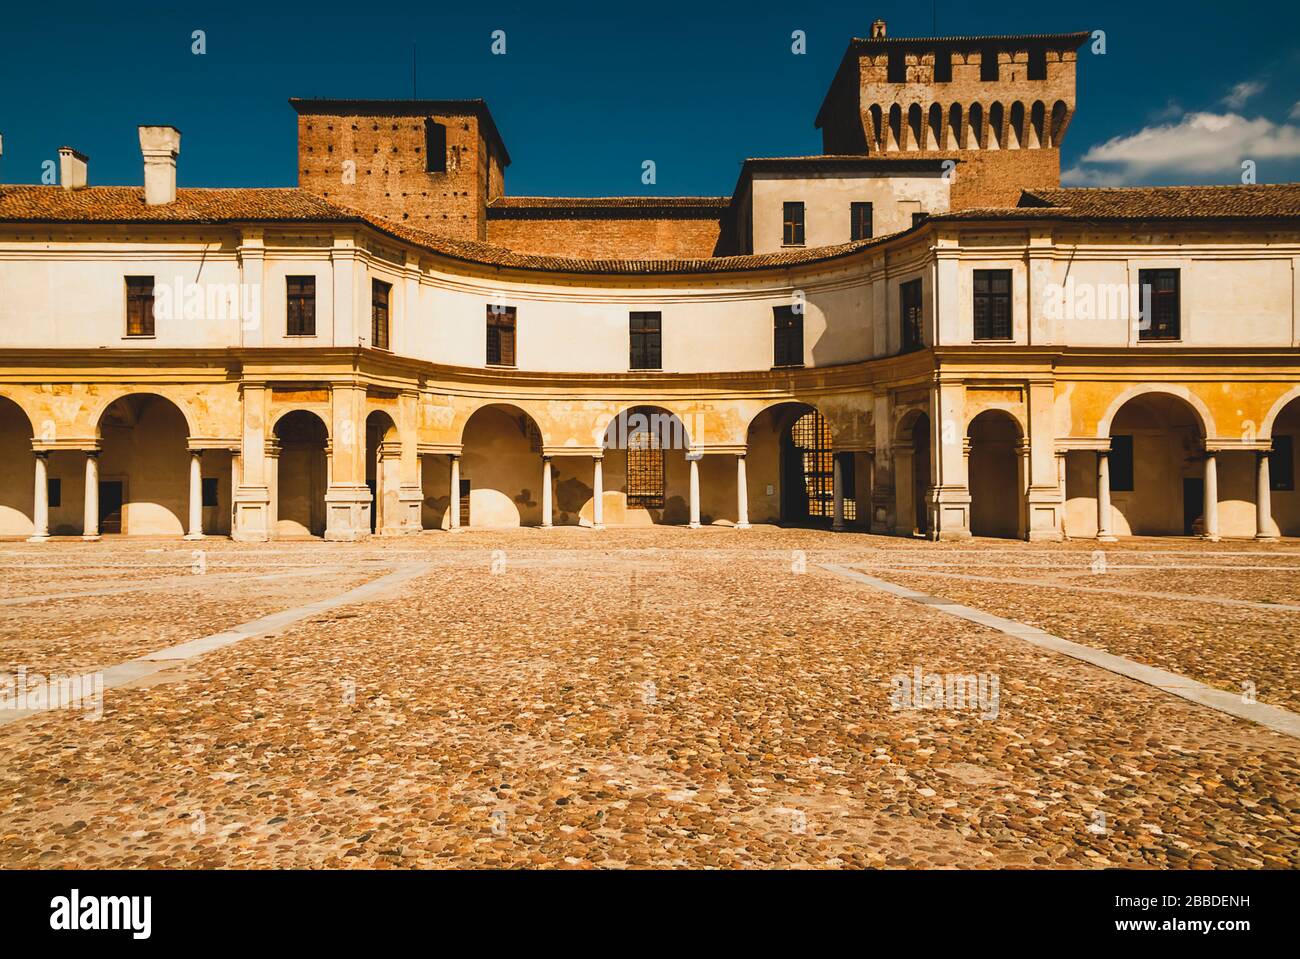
(994, 475)
(791, 468)
(383, 463)
(975, 139)
(877, 131)
(17, 471)
(1282, 470)
(921, 473)
(895, 129)
(647, 472)
(1037, 119)
(914, 123)
(143, 467)
(995, 133)
(501, 468)
(956, 134)
(1060, 119)
(934, 127)
(1016, 133)
(1157, 467)
(302, 475)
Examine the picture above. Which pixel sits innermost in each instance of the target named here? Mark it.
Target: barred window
(992, 304)
(645, 340)
(1162, 286)
(139, 306)
(860, 221)
(301, 305)
(645, 470)
(500, 335)
(909, 296)
(792, 218)
(379, 293)
(787, 334)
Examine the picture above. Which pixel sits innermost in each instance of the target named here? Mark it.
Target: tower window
(860, 221)
(897, 69)
(500, 335)
(435, 147)
(792, 233)
(1038, 64)
(943, 66)
(988, 65)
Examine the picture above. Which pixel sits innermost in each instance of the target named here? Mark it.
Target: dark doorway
(110, 506)
(1193, 502)
(464, 502)
(807, 471)
(921, 472)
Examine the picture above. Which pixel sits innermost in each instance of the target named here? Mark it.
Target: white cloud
(1295, 111)
(1236, 97)
(1199, 143)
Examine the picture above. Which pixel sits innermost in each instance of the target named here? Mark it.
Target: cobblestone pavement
(645, 698)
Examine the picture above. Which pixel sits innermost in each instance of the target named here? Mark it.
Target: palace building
(916, 332)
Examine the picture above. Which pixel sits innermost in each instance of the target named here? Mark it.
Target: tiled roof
(125, 204)
(1051, 39)
(616, 202)
(607, 207)
(1178, 202)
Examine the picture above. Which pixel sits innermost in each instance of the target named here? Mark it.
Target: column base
(743, 526)
(38, 538)
(90, 537)
(191, 537)
(597, 526)
(1210, 538)
(250, 536)
(1267, 538)
(1046, 536)
(953, 535)
(692, 525)
(1107, 538)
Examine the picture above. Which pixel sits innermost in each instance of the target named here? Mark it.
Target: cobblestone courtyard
(648, 698)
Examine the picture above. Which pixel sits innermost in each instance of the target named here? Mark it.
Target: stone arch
(1037, 121)
(531, 411)
(915, 133)
(996, 138)
(1157, 462)
(1060, 120)
(1270, 418)
(895, 133)
(791, 450)
(178, 402)
(876, 131)
(956, 131)
(976, 136)
(995, 475)
(144, 465)
(912, 467)
(277, 415)
(934, 127)
(502, 449)
(1206, 418)
(301, 471)
(17, 470)
(1016, 127)
(383, 469)
(646, 471)
(1014, 410)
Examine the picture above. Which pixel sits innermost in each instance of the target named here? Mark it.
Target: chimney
(72, 168)
(160, 145)
(877, 29)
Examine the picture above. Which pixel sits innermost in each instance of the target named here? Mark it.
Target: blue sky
(586, 92)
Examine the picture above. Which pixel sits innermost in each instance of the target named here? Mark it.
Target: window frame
(991, 298)
(857, 207)
(911, 332)
(381, 316)
(787, 338)
(793, 231)
(639, 493)
(305, 301)
(1152, 275)
(645, 344)
(148, 318)
(500, 320)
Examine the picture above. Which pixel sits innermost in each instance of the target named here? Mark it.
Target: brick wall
(607, 236)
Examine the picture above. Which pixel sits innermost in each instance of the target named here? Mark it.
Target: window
(793, 232)
(645, 470)
(919, 218)
(1281, 464)
(645, 336)
(139, 306)
(787, 334)
(1162, 287)
(860, 221)
(896, 71)
(435, 147)
(54, 493)
(209, 491)
(301, 306)
(992, 304)
(500, 335)
(909, 311)
(379, 292)
(988, 65)
(1121, 464)
(1038, 63)
(943, 66)
(849, 485)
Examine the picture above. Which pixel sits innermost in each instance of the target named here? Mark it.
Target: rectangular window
(988, 65)
(301, 306)
(860, 221)
(793, 224)
(209, 491)
(849, 485)
(1121, 464)
(896, 71)
(1162, 287)
(943, 66)
(54, 493)
(992, 304)
(435, 147)
(919, 218)
(645, 339)
(1281, 464)
(787, 333)
(500, 335)
(1038, 63)
(139, 306)
(645, 471)
(909, 311)
(379, 292)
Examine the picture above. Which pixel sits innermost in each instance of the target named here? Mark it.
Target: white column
(1104, 533)
(1060, 481)
(1211, 511)
(90, 521)
(1265, 528)
(742, 493)
(694, 460)
(837, 493)
(597, 492)
(41, 502)
(546, 492)
(196, 495)
(454, 522)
